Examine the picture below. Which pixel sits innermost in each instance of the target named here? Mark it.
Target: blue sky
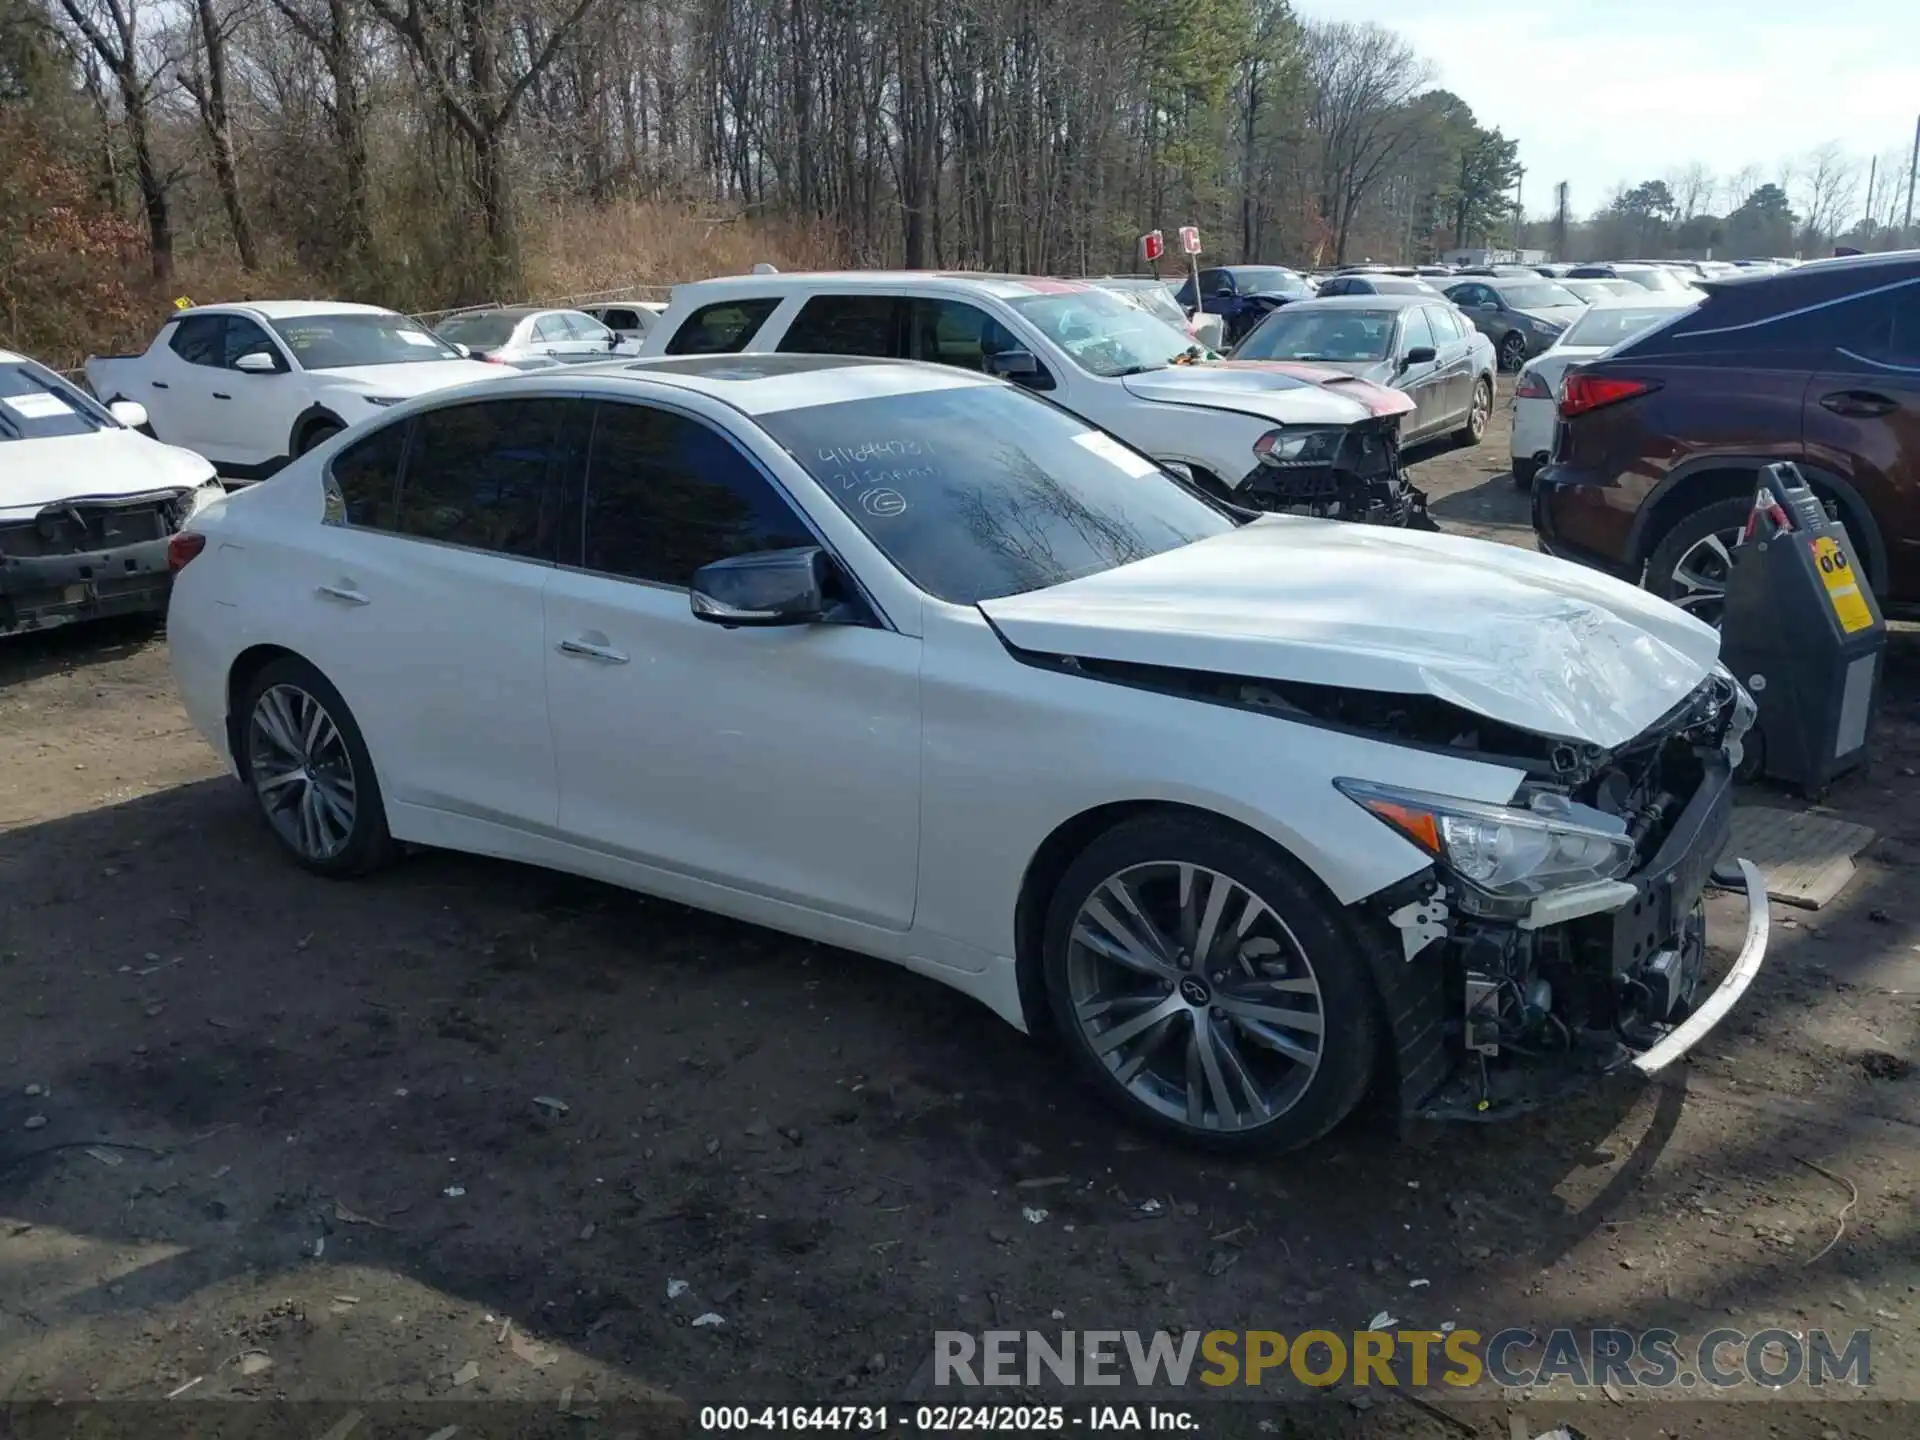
(1604, 94)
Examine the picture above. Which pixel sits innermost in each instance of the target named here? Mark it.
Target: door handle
(218, 396)
(343, 593)
(1862, 403)
(586, 650)
(159, 384)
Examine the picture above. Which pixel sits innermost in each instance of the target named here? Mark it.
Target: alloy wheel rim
(1482, 407)
(1514, 351)
(1196, 996)
(302, 772)
(1699, 579)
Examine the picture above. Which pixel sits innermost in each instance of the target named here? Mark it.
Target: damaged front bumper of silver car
(1562, 938)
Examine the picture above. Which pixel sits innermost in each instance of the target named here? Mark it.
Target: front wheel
(1206, 988)
(303, 759)
(1478, 413)
(316, 435)
(1525, 468)
(1513, 351)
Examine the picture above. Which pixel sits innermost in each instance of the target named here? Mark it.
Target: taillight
(182, 548)
(490, 359)
(1581, 392)
(1531, 387)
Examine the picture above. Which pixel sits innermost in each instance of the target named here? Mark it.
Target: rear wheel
(304, 761)
(1479, 411)
(1692, 562)
(1206, 988)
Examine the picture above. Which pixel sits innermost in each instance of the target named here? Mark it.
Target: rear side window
(667, 494)
(621, 319)
(481, 475)
(364, 479)
(1883, 330)
(846, 325)
(201, 340)
(723, 328)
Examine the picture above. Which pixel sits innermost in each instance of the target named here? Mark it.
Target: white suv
(1268, 435)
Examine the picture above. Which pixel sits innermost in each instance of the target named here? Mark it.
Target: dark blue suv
(1244, 295)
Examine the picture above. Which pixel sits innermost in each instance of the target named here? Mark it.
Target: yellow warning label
(1843, 585)
(183, 302)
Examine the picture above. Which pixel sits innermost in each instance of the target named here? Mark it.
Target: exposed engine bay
(1364, 483)
(88, 557)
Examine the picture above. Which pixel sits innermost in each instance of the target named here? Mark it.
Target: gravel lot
(332, 1152)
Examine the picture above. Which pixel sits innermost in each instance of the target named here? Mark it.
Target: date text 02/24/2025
(945, 1419)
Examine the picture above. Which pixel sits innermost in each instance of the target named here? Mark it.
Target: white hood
(404, 381)
(1285, 394)
(104, 464)
(1521, 638)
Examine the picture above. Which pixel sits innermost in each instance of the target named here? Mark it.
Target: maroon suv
(1659, 441)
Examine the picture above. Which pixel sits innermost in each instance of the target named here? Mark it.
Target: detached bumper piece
(1712, 1010)
(88, 559)
(1365, 484)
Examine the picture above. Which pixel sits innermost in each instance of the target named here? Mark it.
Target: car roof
(1386, 300)
(8, 357)
(512, 312)
(1001, 286)
(1648, 300)
(764, 384)
(286, 309)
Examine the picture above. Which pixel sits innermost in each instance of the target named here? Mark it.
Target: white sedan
(87, 503)
(900, 658)
(1536, 392)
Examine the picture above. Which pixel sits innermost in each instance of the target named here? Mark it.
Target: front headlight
(1544, 327)
(1501, 850)
(1298, 447)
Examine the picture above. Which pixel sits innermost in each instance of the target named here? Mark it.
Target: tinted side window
(952, 332)
(246, 338)
(1414, 330)
(723, 328)
(666, 494)
(621, 319)
(481, 475)
(201, 340)
(364, 479)
(846, 325)
(1882, 330)
(551, 329)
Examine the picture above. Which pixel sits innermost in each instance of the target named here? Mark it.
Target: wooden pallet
(1807, 857)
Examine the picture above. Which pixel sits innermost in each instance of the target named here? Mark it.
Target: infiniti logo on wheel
(1193, 991)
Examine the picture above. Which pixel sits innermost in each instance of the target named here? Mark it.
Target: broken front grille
(79, 527)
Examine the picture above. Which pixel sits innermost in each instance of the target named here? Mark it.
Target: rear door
(422, 598)
(1863, 420)
(782, 762)
(1421, 380)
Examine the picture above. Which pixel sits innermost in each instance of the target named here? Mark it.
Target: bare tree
(332, 28)
(114, 32)
(1830, 181)
(1693, 187)
(1361, 81)
(203, 75)
(1738, 186)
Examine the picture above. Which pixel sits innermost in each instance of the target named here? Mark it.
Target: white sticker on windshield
(1137, 467)
(37, 405)
(418, 337)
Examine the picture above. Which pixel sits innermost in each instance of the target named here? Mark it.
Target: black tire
(1479, 412)
(317, 434)
(1524, 471)
(1718, 518)
(367, 844)
(1512, 353)
(1348, 1014)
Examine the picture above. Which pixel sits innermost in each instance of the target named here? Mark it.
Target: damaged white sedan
(1254, 813)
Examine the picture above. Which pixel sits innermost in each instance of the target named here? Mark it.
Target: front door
(254, 410)
(420, 599)
(1420, 379)
(783, 762)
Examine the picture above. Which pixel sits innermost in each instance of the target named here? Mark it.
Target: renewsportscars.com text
(1642, 1359)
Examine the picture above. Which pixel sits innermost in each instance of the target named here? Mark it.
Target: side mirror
(461, 350)
(768, 587)
(1420, 355)
(130, 413)
(256, 362)
(1490, 305)
(1021, 367)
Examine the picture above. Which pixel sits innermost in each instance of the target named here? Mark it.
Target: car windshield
(1542, 296)
(1269, 280)
(978, 491)
(36, 404)
(1605, 326)
(1592, 290)
(333, 342)
(1654, 278)
(1156, 300)
(1105, 335)
(1301, 333)
(1402, 285)
(481, 330)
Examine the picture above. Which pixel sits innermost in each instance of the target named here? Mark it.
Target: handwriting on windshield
(875, 472)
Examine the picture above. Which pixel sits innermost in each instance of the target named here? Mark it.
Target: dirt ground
(469, 1131)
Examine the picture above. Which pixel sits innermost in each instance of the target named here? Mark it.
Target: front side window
(1415, 331)
(551, 329)
(1103, 334)
(585, 327)
(981, 491)
(480, 475)
(335, 342)
(1335, 333)
(1270, 280)
(667, 494)
(201, 340)
(952, 332)
(1543, 296)
(1447, 324)
(846, 325)
(723, 328)
(246, 338)
(363, 480)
